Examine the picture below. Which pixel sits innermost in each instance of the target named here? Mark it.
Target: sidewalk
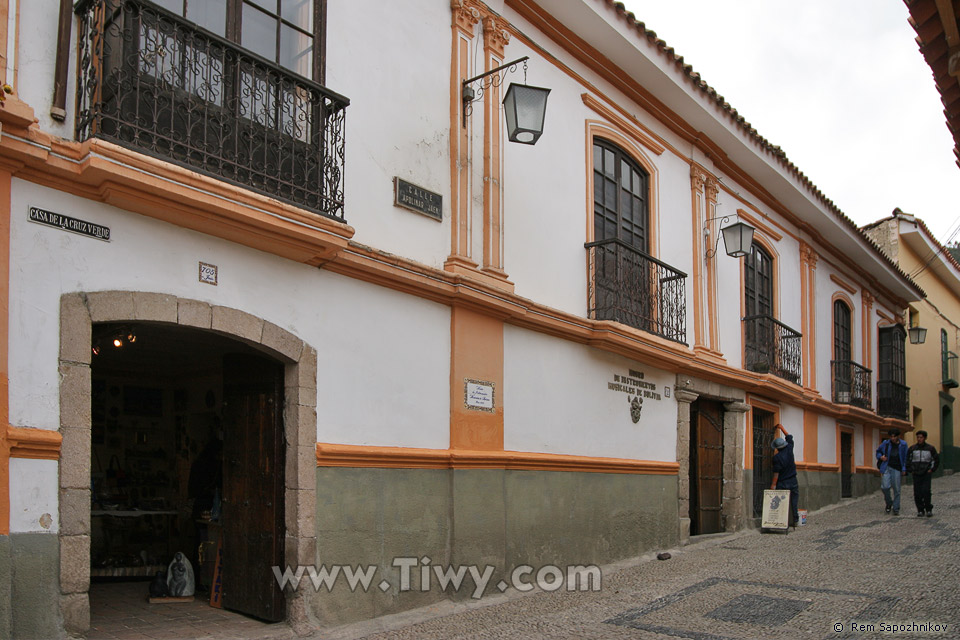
(851, 565)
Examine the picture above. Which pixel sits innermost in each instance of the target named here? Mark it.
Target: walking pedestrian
(922, 461)
(785, 471)
(892, 454)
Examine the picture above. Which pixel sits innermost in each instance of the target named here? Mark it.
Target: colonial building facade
(273, 287)
(932, 371)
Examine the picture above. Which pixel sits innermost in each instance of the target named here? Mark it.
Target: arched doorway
(186, 348)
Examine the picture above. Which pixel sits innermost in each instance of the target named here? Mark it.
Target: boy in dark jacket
(922, 461)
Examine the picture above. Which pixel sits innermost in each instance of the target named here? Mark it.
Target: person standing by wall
(892, 454)
(922, 461)
(785, 471)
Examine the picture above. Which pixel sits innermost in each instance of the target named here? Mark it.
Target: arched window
(620, 197)
(758, 282)
(841, 331)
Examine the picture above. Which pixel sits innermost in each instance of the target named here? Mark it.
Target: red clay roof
(936, 32)
(745, 126)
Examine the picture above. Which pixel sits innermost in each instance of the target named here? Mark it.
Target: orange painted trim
(341, 455)
(712, 318)
(843, 284)
(108, 173)
(476, 355)
(760, 226)
(816, 466)
(39, 444)
(628, 125)
(698, 178)
(873, 471)
(4, 38)
(811, 436)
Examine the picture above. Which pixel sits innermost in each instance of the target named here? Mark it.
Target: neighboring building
(932, 373)
(267, 283)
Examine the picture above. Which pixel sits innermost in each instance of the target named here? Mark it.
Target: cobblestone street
(851, 572)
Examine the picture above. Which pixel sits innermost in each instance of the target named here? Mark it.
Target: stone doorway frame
(687, 391)
(78, 313)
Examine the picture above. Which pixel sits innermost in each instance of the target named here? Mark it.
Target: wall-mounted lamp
(525, 107)
(737, 238)
(918, 335)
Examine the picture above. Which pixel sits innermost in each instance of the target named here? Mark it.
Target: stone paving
(851, 572)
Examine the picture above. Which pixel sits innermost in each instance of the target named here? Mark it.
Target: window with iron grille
(231, 88)
(893, 395)
(627, 284)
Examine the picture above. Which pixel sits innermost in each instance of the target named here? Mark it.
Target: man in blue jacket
(892, 454)
(785, 471)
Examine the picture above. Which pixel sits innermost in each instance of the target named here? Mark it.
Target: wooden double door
(706, 467)
(253, 486)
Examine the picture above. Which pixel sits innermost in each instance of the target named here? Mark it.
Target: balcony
(152, 81)
(771, 347)
(893, 399)
(628, 286)
(949, 366)
(851, 383)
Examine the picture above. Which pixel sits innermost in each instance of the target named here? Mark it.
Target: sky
(839, 85)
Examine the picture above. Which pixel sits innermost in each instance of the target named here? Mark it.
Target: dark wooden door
(763, 433)
(706, 467)
(253, 485)
(846, 464)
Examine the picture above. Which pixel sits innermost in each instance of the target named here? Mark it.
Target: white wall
(557, 400)
(33, 496)
(383, 356)
(792, 418)
(827, 441)
(392, 60)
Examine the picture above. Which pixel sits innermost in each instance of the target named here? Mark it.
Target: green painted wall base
(817, 489)
(30, 586)
(383, 518)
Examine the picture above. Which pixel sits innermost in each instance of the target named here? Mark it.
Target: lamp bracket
(492, 78)
(706, 232)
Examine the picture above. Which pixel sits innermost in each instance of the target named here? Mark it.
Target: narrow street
(851, 572)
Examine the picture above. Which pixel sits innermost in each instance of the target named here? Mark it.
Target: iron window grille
(948, 363)
(893, 395)
(772, 347)
(153, 81)
(628, 286)
(852, 384)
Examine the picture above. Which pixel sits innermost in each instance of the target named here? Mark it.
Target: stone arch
(78, 313)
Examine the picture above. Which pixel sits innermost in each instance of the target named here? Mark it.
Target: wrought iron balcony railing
(851, 384)
(893, 399)
(153, 81)
(771, 347)
(628, 286)
(950, 375)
